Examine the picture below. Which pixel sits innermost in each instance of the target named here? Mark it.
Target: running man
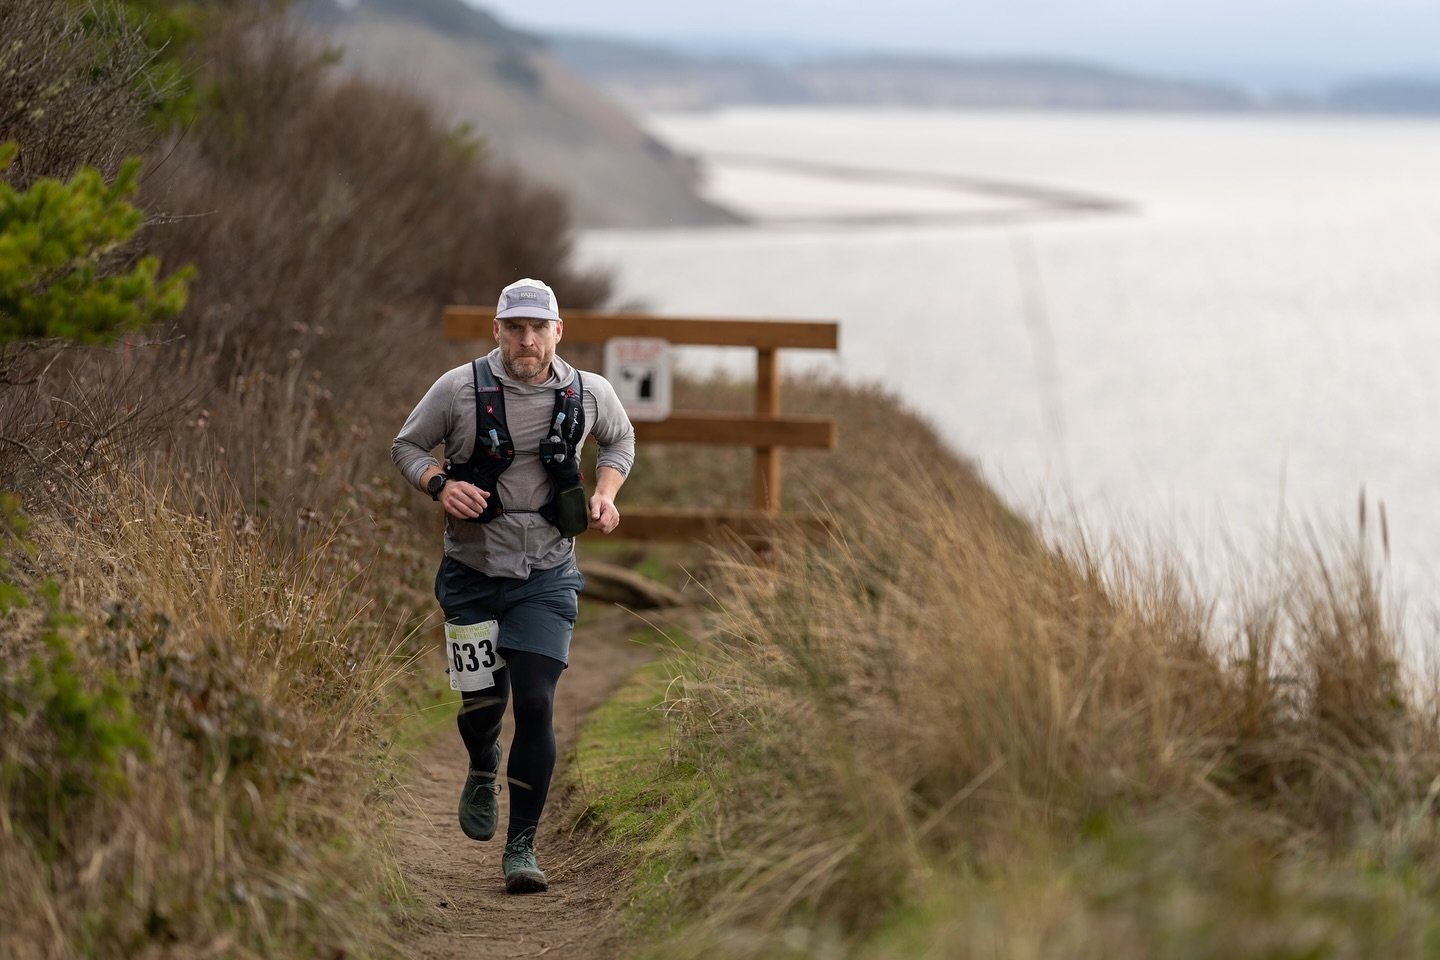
(512, 424)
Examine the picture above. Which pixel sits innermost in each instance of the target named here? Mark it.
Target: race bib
(473, 655)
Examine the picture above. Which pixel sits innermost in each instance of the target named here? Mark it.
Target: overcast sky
(1262, 42)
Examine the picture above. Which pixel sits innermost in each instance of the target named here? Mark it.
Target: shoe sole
(525, 882)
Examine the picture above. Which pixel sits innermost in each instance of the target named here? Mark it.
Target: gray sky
(1264, 42)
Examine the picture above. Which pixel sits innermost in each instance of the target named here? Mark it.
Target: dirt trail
(465, 912)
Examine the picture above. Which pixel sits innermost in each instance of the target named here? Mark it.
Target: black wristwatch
(435, 484)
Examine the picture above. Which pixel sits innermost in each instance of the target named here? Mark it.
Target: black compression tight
(531, 679)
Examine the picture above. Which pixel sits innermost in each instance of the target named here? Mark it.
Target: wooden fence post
(767, 407)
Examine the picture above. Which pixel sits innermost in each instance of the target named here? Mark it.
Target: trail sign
(640, 369)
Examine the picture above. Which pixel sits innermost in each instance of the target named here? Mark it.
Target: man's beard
(525, 368)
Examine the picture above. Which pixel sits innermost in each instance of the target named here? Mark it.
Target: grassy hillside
(532, 112)
(938, 737)
(211, 580)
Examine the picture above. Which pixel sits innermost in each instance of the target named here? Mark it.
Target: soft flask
(571, 512)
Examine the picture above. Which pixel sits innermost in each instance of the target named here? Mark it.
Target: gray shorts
(536, 615)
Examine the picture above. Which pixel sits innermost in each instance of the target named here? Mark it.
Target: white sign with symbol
(640, 369)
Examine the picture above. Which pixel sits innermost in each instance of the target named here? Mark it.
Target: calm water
(1258, 333)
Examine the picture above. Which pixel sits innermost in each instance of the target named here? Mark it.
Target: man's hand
(463, 501)
(603, 515)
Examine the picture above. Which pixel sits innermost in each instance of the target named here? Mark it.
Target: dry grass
(938, 725)
(254, 675)
(224, 574)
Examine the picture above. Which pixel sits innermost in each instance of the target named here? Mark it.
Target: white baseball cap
(527, 298)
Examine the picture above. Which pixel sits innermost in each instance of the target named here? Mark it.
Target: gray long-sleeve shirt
(514, 543)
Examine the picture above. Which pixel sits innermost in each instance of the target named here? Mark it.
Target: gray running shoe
(480, 802)
(522, 873)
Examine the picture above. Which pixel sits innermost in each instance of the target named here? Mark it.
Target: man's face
(527, 346)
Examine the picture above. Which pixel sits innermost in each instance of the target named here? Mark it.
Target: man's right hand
(463, 501)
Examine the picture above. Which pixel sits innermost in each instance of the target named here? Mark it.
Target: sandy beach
(777, 191)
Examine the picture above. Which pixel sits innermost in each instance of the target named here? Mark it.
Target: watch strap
(432, 488)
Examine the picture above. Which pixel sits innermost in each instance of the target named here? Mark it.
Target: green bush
(63, 737)
(56, 241)
(13, 524)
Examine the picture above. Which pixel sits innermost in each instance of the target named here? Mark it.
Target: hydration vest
(494, 451)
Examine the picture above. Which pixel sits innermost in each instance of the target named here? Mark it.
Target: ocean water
(1238, 322)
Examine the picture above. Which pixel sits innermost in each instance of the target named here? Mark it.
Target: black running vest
(494, 450)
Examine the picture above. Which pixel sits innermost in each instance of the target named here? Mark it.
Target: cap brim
(532, 313)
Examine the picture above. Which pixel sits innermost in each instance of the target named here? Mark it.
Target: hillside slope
(529, 110)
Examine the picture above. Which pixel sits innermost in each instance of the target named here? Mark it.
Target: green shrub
(63, 737)
(57, 244)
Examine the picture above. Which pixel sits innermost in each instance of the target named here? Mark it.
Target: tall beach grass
(939, 736)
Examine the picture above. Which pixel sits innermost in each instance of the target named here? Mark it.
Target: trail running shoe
(522, 873)
(480, 802)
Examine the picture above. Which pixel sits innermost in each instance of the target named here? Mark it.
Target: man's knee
(534, 706)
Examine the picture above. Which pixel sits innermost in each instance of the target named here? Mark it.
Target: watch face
(434, 485)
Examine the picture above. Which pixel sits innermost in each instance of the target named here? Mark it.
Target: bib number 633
(473, 655)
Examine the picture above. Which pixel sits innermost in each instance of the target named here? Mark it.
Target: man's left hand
(603, 515)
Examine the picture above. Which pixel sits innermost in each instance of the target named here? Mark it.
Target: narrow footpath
(463, 910)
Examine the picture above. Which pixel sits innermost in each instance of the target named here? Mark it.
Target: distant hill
(652, 77)
(1396, 95)
(647, 77)
(529, 110)
(945, 82)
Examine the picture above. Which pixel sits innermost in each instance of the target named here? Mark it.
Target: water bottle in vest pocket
(572, 512)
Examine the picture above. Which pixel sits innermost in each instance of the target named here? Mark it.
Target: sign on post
(640, 370)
